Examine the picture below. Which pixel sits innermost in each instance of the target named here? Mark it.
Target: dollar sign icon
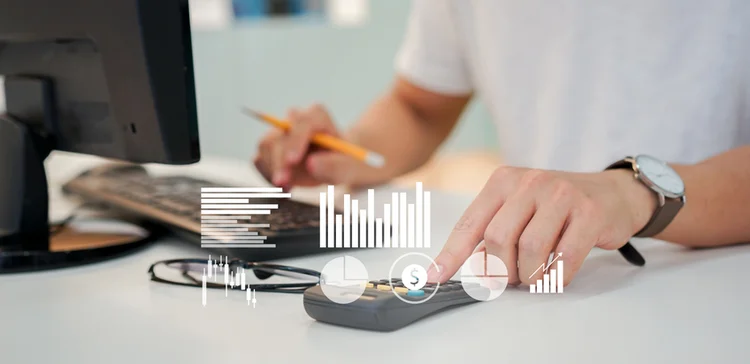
(414, 275)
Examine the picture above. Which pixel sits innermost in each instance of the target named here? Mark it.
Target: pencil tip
(251, 112)
(374, 160)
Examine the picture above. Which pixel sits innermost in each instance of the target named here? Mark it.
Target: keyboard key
(384, 287)
(417, 293)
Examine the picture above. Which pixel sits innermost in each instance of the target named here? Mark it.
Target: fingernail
(434, 275)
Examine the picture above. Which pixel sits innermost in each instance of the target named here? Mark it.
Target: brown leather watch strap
(664, 213)
(661, 218)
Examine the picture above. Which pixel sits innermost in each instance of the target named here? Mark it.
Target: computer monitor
(108, 78)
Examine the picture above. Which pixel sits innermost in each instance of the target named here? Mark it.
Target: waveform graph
(227, 214)
(484, 276)
(552, 280)
(403, 223)
(220, 271)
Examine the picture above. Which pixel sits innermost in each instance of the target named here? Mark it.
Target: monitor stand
(24, 199)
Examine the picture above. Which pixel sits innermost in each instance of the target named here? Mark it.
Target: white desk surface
(684, 306)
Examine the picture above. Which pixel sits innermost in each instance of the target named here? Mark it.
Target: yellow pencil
(326, 141)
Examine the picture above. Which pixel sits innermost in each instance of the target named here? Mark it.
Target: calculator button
(401, 289)
(417, 293)
(384, 287)
(471, 285)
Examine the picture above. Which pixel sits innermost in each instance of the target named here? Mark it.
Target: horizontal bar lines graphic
(235, 212)
(257, 226)
(211, 245)
(225, 200)
(232, 217)
(207, 230)
(227, 206)
(225, 212)
(231, 238)
(402, 223)
(230, 233)
(243, 189)
(245, 195)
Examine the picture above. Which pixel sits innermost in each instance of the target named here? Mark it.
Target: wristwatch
(664, 181)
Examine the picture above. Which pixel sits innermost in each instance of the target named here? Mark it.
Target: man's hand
(289, 159)
(523, 215)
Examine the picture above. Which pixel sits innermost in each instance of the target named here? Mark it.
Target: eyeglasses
(234, 274)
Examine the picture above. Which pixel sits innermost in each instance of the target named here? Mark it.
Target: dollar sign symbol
(414, 275)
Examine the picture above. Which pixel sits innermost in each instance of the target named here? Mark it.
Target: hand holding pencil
(307, 150)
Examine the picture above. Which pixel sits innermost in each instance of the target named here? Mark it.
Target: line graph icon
(552, 280)
(400, 225)
(226, 213)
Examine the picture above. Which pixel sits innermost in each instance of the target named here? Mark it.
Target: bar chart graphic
(552, 281)
(220, 269)
(399, 224)
(227, 213)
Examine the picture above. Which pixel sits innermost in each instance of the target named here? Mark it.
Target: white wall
(274, 65)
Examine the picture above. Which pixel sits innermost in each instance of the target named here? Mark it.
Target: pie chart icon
(484, 276)
(343, 279)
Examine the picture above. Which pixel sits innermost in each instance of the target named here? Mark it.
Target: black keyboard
(174, 202)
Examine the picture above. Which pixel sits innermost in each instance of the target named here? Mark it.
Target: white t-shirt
(577, 84)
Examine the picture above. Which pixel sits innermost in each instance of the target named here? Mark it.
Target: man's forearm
(406, 126)
(390, 128)
(717, 211)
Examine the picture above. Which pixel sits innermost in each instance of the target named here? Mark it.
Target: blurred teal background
(272, 65)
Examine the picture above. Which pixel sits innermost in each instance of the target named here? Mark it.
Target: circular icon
(343, 279)
(411, 297)
(484, 276)
(414, 277)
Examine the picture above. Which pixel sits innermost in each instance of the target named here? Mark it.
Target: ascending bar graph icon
(400, 225)
(552, 280)
(227, 211)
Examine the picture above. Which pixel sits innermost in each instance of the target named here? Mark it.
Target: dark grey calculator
(379, 309)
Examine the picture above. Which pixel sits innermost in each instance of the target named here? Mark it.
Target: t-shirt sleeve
(431, 55)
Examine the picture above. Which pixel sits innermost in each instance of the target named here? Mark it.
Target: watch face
(661, 175)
